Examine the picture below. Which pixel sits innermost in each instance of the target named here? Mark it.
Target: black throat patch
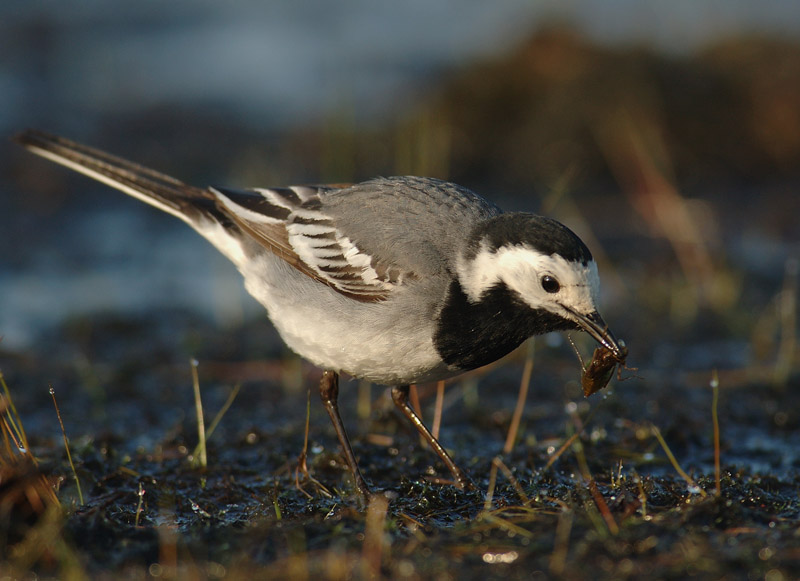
(470, 335)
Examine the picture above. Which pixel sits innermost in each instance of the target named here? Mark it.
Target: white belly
(386, 342)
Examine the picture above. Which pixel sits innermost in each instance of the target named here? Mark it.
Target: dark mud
(610, 506)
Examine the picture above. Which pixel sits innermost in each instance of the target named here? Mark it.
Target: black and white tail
(287, 222)
(198, 207)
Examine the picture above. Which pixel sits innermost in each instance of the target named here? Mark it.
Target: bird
(394, 280)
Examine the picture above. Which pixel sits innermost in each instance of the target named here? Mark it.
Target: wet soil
(610, 505)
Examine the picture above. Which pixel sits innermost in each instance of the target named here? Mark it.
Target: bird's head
(543, 264)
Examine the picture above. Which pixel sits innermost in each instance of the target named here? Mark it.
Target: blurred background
(666, 134)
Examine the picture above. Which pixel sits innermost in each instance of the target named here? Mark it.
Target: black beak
(594, 324)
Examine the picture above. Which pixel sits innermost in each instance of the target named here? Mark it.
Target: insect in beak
(600, 370)
(594, 324)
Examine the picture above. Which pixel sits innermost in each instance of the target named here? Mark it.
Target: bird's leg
(329, 392)
(400, 397)
(302, 464)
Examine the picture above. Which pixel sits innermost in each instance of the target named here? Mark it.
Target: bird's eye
(550, 284)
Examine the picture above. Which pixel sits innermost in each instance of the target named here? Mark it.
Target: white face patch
(522, 268)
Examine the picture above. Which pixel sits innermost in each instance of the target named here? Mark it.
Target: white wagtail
(395, 280)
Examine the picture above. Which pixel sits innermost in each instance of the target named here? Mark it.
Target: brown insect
(600, 369)
(598, 373)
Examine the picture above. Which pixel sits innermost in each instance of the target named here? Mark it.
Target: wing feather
(290, 222)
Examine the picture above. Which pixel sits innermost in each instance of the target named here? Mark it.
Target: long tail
(166, 193)
(198, 207)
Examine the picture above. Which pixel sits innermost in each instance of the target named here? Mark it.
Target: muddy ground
(610, 506)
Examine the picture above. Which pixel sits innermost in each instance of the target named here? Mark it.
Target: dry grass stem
(495, 520)
(557, 454)
(583, 466)
(167, 544)
(525, 381)
(13, 422)
(218, 417)
(413, 395)
(66, 446)
(558, 559)
(602, 506)
(228, 402)
(487, 504)
(12, 444)
(139, 505)
(692, 484)
(715, 422)
(788, 324)
(374, 537)
(580, 427)
(364, 400)
(514, 482)
(202, 456)
(642, 495)
(437, 410)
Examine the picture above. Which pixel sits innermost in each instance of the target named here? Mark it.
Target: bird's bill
(594, 324)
